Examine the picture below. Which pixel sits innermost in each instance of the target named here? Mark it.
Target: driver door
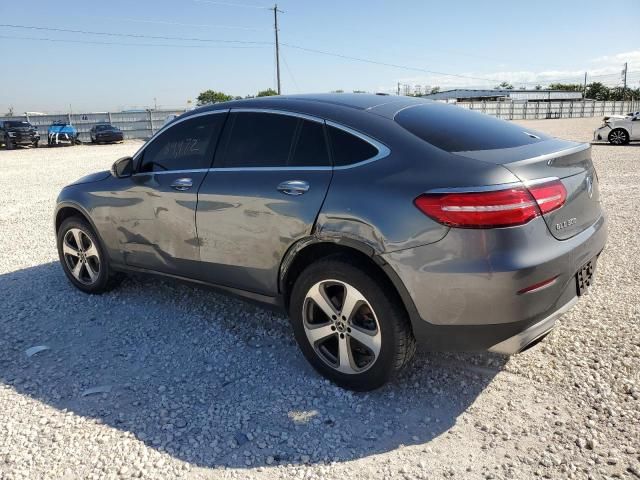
(155, 217)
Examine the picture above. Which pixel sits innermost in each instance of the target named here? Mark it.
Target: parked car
(62, 132)
(619, 129)
(18, 133)
(105, 133)
(375, 222)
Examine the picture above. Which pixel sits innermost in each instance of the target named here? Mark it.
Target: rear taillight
(549, 195)
(492, 209)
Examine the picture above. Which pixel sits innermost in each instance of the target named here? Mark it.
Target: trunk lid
(550, 159)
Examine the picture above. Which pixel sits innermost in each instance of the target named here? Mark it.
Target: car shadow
(607, 144)
(212, 380)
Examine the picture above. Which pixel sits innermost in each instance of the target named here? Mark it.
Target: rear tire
(618, 136)
(83, 259)
(359, 348)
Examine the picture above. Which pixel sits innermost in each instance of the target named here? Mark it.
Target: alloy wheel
(618, 137)
(81, 256)
(341, 326)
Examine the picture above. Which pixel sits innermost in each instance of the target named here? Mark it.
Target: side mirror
(122, 167)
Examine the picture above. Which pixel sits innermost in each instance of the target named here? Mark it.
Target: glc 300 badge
(566, 223)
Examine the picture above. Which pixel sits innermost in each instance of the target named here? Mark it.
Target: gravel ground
(163, 380)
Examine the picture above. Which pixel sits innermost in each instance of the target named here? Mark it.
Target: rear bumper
(464, 288)
(520, 340)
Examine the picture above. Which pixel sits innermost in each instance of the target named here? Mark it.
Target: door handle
(182, 184)
(294, 187)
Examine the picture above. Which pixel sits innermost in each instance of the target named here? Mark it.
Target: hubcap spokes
(341, 326)
(617, 137)
(81, 256)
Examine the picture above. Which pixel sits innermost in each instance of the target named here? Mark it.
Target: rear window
(456, 129)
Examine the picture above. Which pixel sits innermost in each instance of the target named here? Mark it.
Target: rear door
(154, 213)
(270, 177)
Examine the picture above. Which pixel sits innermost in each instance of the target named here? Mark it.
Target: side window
(257, 140)
(348, 149)
(185, 146)
(310, 149)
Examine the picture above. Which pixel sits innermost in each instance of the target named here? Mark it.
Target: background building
(461, 95)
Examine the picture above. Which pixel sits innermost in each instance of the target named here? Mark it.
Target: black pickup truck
(18, 133)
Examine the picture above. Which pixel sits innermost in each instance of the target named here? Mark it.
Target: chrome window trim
(278, 112)
(174, 122)
(166, 172)
(271, 169)
(383, 150)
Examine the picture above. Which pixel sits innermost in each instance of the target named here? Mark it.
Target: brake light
(549, 195)
(499, 208)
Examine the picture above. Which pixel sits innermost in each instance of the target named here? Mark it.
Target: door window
(255, 139)
(187, 145)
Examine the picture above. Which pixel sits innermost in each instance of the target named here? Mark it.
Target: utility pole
(275, 26)
(584, 90)
(624, 80)
(398, 88)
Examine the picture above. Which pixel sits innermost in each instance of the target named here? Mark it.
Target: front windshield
(14, 124)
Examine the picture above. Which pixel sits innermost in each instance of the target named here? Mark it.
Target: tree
(359, 91)
(538, 87)
(435, 89)
(597, 91)
(504, 86)
(566, 87)
(337, 91)
(269, 92)
(211, 96)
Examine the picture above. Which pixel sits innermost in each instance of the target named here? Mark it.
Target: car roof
(323, 104)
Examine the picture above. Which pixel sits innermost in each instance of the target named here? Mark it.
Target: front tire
(618, 136)
(8, 144)
(82, 257)
(349, 325)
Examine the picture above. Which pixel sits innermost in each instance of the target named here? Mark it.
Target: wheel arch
(309, 250)
(624, 129)
(69, 209)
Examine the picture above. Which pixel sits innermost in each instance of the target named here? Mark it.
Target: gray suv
(375, 222)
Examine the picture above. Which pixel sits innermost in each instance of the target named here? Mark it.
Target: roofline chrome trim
(174, 122)
(278, 112)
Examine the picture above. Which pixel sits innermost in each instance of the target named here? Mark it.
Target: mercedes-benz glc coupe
(376, 222)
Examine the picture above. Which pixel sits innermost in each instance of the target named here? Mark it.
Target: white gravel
(191, 384)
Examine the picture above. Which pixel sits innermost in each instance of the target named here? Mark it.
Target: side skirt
(272, 303)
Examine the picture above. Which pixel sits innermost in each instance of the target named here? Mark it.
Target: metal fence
(133, 124)
(536, 110)
(145, 124)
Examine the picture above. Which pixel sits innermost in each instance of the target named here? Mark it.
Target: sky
(227, 45)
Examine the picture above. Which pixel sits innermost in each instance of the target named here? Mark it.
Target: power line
(229, 4)
(394, 65)
(93, 42)
(133, 35)
(197, 25)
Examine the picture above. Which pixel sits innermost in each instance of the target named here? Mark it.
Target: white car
(619, 129)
